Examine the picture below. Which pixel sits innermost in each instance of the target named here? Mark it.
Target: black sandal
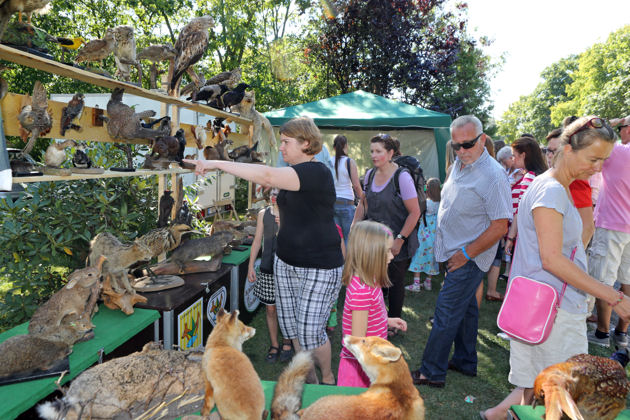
(272, 356)
(286, 355)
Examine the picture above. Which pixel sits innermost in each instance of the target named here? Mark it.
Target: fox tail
(287, 397)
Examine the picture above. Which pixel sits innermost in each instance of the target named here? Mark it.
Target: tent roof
(361, 110)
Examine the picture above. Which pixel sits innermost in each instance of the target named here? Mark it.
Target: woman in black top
(308, 257)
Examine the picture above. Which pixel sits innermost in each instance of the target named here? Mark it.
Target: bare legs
(518, 396)
(604, 310)
(322, 356)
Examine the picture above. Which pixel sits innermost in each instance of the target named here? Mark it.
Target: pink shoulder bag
(529, 309)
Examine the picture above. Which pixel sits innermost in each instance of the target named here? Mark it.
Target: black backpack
(411, 165)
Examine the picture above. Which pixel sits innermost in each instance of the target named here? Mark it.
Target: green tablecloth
(112, 329)
(311, 393)
(526, 412)
(237, 257)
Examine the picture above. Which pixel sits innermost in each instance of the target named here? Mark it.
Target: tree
(532, 113)
(594, 82)
(410, 50)
(600, 83)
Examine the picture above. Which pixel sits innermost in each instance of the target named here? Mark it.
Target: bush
(46, 234)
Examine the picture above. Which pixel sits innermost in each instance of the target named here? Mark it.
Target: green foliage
(593, 82)
(600, 83)
(46, 233)
(419, 52)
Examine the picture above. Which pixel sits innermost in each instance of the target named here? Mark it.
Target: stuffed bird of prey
(8, 7)
(190, 46)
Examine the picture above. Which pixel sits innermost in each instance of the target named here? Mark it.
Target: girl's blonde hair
(366, 257)
(433, 189)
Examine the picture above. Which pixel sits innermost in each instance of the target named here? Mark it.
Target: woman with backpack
(390, 198)
(347, 185)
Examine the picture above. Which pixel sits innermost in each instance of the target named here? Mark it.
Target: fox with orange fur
(230, 378)
(391, 394)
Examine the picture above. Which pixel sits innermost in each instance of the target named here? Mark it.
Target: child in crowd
(332, 319)
(264, 288)
(364, 313)
(424, 260)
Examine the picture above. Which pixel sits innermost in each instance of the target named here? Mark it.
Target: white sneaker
(504, 336)
(427, 284)
(415, 287)
(619, 340)
(592, 338)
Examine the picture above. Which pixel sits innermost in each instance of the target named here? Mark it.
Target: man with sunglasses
(609, 253)
(473, 215)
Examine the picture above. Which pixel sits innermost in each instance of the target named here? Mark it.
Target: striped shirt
(361, 297)
(472, 197)
(519, 189)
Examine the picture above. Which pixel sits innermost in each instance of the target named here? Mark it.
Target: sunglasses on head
(592, 123)
(466, 145)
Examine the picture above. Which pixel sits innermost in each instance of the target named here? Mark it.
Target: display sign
(190, 327)
(215, 303)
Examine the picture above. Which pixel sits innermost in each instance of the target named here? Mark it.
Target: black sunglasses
(466, 145)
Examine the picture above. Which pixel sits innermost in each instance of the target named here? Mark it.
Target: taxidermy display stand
(96, 131)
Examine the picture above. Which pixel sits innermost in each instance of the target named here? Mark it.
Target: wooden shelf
(30, 60)
(106, 174)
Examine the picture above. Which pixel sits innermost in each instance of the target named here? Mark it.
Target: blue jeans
(455, 321)
(344, 213)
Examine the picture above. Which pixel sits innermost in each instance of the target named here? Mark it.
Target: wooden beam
(12, 104)
(30, 60)
(106, 174)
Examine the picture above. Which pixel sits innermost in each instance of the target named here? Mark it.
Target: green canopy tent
(360, 115)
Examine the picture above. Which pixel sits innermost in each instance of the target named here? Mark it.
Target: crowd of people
(525, 207)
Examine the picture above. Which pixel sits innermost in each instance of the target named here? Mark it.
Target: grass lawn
(487, 389)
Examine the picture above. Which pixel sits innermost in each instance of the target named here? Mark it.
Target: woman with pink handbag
(550, 230)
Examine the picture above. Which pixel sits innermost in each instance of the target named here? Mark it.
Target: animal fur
(194, 248)
(66, 316)
(287, 395)
(391, 394)
(124, 123)
(119, 257)
(218, 152)
(230, 379)
(247, 108)
(27, 353)
(127, 387)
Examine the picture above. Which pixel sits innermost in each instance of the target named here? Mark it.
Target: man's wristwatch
(400, 236)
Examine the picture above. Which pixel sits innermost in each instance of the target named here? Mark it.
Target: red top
(581, 193)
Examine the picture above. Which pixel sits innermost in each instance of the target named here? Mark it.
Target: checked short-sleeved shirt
(472, 197)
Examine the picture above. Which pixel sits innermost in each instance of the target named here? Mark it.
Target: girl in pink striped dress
(364, 312)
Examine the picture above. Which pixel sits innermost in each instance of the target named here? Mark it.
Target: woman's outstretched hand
(623, 308)
(202, 166)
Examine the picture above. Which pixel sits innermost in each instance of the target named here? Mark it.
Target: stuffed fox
(391, 394)
(229, 375)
